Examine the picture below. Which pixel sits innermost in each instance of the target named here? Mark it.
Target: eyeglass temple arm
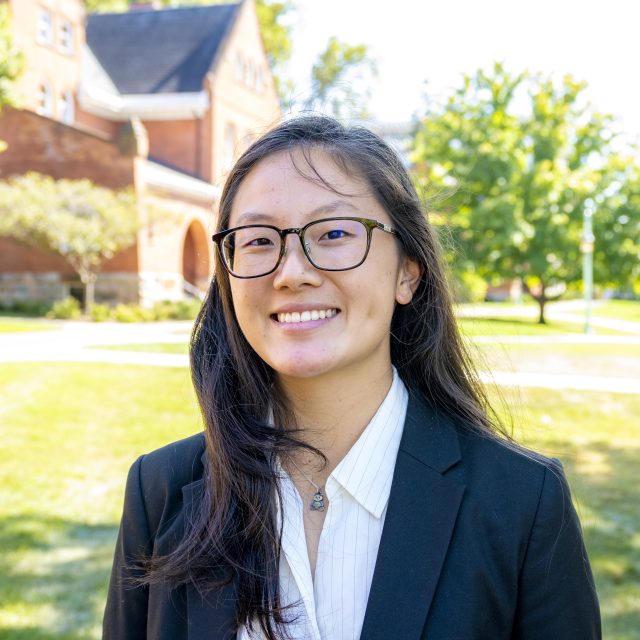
(387, 228)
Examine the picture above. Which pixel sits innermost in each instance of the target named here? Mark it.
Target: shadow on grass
(54, 577)
(607, 503)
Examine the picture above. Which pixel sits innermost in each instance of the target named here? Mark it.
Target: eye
(336, 234)
(259, 242)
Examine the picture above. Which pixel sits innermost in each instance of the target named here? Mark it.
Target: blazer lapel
(422, 510)
(210, 615)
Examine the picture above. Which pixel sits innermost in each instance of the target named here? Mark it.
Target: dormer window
(250, 75)
(45, 100)
(66, 38)
(44, 28)
(239, 67)
(259, 81)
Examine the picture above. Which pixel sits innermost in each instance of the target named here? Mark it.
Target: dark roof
(163, 51)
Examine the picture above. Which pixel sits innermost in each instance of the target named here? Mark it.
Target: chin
(301, 367)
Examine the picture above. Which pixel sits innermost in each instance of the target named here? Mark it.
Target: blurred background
(519, 123)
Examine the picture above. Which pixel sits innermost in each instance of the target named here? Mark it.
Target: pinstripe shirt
(332, 606)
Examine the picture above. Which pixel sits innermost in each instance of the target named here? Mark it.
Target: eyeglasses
(330, 244)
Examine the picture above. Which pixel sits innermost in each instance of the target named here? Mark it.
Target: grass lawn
(514, 326)
(19, 325)
(619, 309)
(70, 432)
(163, 347)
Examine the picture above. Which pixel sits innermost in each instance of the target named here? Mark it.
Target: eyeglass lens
(330, 244)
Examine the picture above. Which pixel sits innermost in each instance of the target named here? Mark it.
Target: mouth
(295, 317)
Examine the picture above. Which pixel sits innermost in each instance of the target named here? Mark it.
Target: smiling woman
(350, 482)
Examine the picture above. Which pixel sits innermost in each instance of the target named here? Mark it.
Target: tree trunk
(89, 279)
(542, 300)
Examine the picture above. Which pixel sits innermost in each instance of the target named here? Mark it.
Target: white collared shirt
(333, 606)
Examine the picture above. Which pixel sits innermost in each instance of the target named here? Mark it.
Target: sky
(426, 45)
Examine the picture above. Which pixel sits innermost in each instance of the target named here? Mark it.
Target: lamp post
(586, 246)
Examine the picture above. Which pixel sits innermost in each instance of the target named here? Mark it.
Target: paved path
(566, 311)
(70, 344)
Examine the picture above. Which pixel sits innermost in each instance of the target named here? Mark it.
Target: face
(353, 336)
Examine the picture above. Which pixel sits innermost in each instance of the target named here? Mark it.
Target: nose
(295, 270)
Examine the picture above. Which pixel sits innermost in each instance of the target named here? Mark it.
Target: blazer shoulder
(506, 468)
(174, 465)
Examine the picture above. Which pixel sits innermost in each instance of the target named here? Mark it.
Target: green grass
(164, 347)
(511, 326)
(70, 432)
(618, 309)
(20, 325)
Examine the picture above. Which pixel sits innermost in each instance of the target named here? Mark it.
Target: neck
(332, 411)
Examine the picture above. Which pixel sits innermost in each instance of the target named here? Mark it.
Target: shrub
(100, 312)
(65, 309)
(34, 308)
(132, 313)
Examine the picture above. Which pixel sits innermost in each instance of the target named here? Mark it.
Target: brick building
(158, 100)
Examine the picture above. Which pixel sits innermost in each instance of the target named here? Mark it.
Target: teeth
(305, 316)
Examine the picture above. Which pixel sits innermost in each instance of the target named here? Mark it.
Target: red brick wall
(50, 147)
(47, 61)
(16, 257)
(176, 142)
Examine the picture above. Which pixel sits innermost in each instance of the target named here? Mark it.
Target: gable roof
(163, 51)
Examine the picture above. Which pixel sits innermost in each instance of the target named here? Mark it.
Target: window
(67, 108)
(239, 67)
(250, 76)
(44, 29)
(259, 81)
(45, 100)
(66, 38)
(229, 145)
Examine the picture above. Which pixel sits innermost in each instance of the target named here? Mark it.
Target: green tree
(518, 157)
(616, 226)
(340, 80)
(83, 223)
(11, 61)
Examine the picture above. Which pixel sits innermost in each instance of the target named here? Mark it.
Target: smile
(306, 316)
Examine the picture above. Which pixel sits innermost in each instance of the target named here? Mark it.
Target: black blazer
(479, 543)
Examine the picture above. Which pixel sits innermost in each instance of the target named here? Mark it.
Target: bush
(100, 312)
(33, 308)
(132, 313)
(65, 309)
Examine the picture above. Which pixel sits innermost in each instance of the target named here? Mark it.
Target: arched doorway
(195, 256)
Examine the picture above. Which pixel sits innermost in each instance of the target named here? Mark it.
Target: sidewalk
(71, 342)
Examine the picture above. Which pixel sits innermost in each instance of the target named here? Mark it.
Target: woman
(349, 482)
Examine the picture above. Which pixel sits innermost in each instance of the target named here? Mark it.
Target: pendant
(317, 504)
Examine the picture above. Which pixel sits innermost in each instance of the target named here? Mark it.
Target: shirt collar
(366, 471)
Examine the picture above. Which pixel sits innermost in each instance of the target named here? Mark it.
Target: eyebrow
(250, 217)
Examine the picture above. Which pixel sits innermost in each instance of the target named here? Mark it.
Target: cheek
(245, 307)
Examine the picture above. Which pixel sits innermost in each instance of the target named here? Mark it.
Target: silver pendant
(317, 504)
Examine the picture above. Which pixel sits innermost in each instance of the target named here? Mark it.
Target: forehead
(286, 186)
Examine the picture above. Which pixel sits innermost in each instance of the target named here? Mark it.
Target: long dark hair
(236, 529)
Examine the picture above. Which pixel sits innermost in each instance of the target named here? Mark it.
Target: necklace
(317, 504)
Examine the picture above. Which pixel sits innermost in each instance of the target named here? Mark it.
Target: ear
(408, 280)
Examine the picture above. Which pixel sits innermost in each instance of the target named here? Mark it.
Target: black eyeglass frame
(369, 223)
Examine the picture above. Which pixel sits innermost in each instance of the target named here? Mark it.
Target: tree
(83, 223)
(519, 157)
(11, 61)
(339, 80)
